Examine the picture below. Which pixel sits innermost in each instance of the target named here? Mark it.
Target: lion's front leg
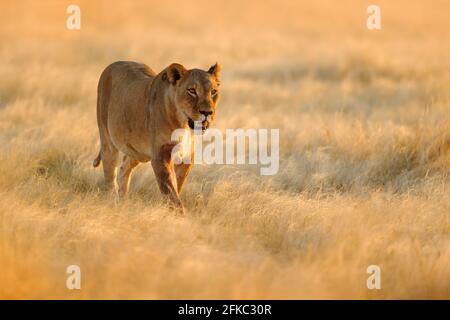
(166, 177)
(182, 172)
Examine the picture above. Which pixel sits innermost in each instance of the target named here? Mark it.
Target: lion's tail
(97, 160)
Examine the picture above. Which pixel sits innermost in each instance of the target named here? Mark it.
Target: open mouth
(195, 125)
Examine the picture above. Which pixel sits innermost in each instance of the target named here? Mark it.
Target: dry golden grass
(365, 152)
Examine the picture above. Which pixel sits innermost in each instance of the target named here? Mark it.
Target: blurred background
(364, 152)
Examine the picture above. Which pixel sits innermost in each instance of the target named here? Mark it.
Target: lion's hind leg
(123, 178)
(109, 156)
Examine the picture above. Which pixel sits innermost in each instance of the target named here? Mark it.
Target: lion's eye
(192, 91)
(213, 92)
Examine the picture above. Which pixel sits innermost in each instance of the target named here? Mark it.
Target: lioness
(137, 111)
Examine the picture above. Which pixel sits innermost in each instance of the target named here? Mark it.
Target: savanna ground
(364, 161)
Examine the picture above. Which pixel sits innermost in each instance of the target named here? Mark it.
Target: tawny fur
(137, 111)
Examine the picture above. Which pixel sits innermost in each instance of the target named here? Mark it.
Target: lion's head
(195, 94)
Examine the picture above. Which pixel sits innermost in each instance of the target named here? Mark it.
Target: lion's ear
(215, 71)
(175, 72)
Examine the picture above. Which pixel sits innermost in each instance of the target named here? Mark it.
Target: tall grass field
(364, 168)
